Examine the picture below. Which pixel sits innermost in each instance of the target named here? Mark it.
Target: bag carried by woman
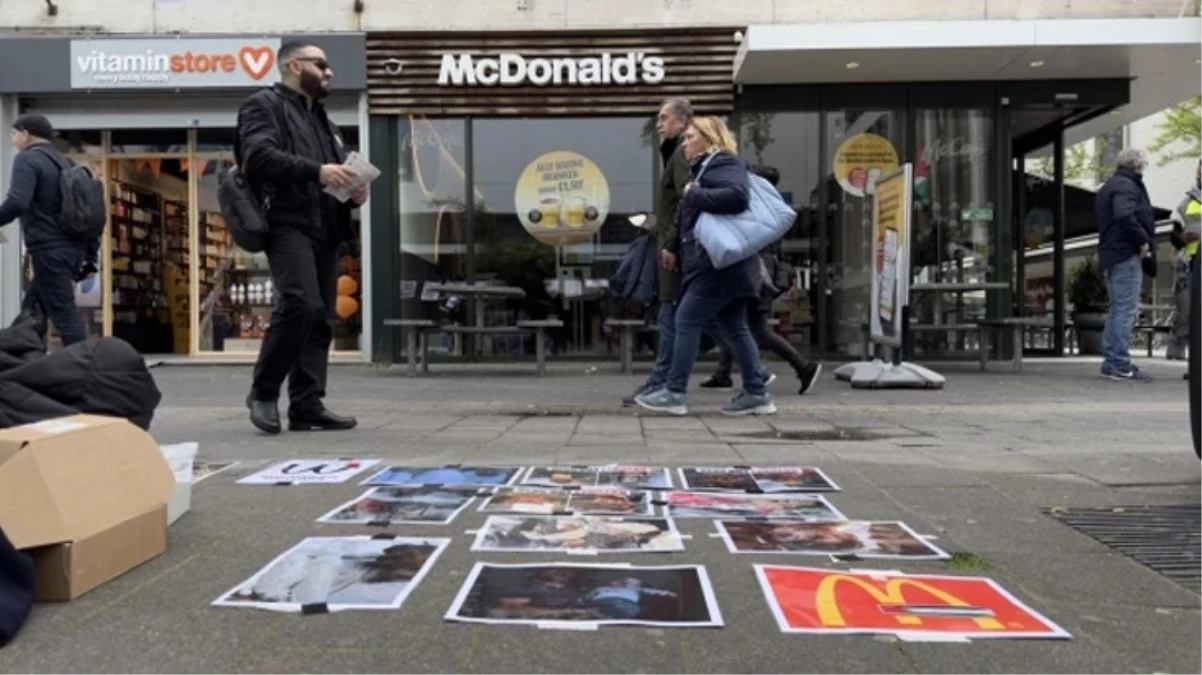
(729, 239)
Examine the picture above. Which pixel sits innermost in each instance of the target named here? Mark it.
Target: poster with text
(482, 476)
(628, 477)
(817, 600)
(860, 160)
(561, 198)
(685, 504)
(426, 504)
(668, 597)
(859, 538)
(302, 471)
(584, 501)
(757, 479)
(600, 534)
(338, 573)
(891, 259)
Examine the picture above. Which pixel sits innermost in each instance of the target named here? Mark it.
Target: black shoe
(319, 420)
(265, 415)
(809, 377)
(717, 382)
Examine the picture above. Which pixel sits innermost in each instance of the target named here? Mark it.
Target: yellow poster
(860, 160)
(891, 263)
(562, 198)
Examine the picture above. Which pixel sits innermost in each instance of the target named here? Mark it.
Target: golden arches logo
(830, 614)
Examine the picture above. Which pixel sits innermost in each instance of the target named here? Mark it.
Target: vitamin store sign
(173, 64)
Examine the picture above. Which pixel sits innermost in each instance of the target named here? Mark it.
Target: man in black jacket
(1126, 228)
(59, 259)
(289, 150)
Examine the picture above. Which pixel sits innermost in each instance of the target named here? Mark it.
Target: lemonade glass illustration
(573, 211)
(549, 208)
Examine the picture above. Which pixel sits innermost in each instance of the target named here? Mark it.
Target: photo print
(425, 504)
(684, 504)
(859, 538)
(668, 597)
(479, 476)
(627, 477)
(909, 606)
(757, 479)
(585, 502)
(338, 573)
(202, 470)
(309, 471)
(577, 533)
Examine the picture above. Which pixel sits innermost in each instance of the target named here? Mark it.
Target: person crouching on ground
(719, 186)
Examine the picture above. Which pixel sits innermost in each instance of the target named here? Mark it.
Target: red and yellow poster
(817, 600)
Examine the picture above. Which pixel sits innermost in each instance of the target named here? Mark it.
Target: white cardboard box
(180, 457)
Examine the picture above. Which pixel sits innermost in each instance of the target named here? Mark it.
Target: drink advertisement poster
(891, 259)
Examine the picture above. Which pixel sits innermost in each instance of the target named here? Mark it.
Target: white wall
(280, 16)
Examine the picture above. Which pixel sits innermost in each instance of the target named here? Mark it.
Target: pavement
(973, 465)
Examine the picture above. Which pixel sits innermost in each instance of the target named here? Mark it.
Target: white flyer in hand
(364, 172)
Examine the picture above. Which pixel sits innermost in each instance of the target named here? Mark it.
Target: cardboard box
(86, 496)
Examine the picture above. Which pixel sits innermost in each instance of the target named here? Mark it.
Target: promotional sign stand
(889, 318)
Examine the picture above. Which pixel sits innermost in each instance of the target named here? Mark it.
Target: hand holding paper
(364, 174)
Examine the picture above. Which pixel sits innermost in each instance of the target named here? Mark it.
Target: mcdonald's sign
(816, 600)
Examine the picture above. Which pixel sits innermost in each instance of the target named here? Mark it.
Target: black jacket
(723, 189)
(280, 148)
(672, 180)
(1125, 218)
(33, 196)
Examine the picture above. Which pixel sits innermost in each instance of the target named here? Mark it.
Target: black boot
(265, 415)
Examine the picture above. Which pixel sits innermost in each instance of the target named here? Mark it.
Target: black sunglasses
(318, 61)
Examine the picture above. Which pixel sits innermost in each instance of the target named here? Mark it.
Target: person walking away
(289, 150)
(720, 186)
(59, 258)
(1189, 211)
(1126, 227)
(673, 117)
(758, 312)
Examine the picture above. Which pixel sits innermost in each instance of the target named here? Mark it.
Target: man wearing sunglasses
(289, 150)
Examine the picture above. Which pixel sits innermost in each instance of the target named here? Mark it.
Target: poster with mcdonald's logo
(914, 606)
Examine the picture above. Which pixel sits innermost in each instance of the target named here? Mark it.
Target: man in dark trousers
(671, 121)
(289, 150)
(59, 259)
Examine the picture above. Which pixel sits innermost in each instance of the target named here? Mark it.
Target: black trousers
(51, 292)
(757, 321)
(304, 270)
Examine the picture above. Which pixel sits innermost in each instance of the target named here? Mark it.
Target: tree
(1079, 164)
(1179, 134)
(758, 133)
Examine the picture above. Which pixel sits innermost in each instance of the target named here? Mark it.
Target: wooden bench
(626, 330)
(538, 327)
(1019, 324)
(414, 330)
(1150, 330)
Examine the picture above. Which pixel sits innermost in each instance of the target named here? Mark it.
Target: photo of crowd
(628, 477)
(685, 504)
(339, 573)
(422, 505)
(585, 502)
(858, 538)
(757, 479)
(577, 533)
(678, 596)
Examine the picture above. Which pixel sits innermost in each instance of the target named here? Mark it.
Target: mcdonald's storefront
(154, 118)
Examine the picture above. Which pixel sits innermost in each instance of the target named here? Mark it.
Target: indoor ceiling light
(852, 65)
(1037, 64)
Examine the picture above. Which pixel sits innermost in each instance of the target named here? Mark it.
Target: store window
(148, 141)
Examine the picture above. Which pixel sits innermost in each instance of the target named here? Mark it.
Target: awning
(1163, 57)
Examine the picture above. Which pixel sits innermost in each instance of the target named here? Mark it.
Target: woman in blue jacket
(719, 186)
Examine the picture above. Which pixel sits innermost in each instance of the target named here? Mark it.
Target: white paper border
(684, 481)
(596, 469)
(936, 552)
(836, 514)
(440, 544)
(517, 471)
(258, 478)
(227, 467)
(479, 547)
(1054, 630)
(327, 518)
(707, 592)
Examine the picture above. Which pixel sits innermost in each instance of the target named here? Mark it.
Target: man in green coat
(673, 118)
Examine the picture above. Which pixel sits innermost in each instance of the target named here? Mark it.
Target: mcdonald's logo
(892, 596)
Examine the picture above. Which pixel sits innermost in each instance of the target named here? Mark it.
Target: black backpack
(245, 213)
(82, 211)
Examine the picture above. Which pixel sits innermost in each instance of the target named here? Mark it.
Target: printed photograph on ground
(420, 504)
(670, 597)
(579, 533)
(339, 572)
(446, 475)
(817, 600)
(860, 538)
(628, 477)
(310, 471)
(585, 501)
(203, 470)
(683, 504)
(757, 479)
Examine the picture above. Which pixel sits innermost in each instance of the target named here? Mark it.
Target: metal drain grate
(1165, 538)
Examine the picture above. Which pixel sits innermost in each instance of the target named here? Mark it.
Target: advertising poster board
(890, 290)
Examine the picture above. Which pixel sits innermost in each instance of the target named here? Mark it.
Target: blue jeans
(1124, 282)
(51, 292)
(729, 317)
(666, 322)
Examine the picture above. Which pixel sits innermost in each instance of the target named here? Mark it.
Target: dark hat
(37, 125)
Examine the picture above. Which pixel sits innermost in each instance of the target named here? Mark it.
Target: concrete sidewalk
(974, 465)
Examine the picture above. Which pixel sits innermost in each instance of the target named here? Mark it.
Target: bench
(1151, 330)
(413, 329)
(420, 329)
(626, 330)
(1019, 324)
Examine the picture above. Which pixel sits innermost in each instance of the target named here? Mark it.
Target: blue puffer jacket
(637, 278)
(723, 189)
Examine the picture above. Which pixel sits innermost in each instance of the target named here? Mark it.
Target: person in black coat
(705, 294)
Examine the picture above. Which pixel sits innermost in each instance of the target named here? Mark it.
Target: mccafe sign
(511, 69)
